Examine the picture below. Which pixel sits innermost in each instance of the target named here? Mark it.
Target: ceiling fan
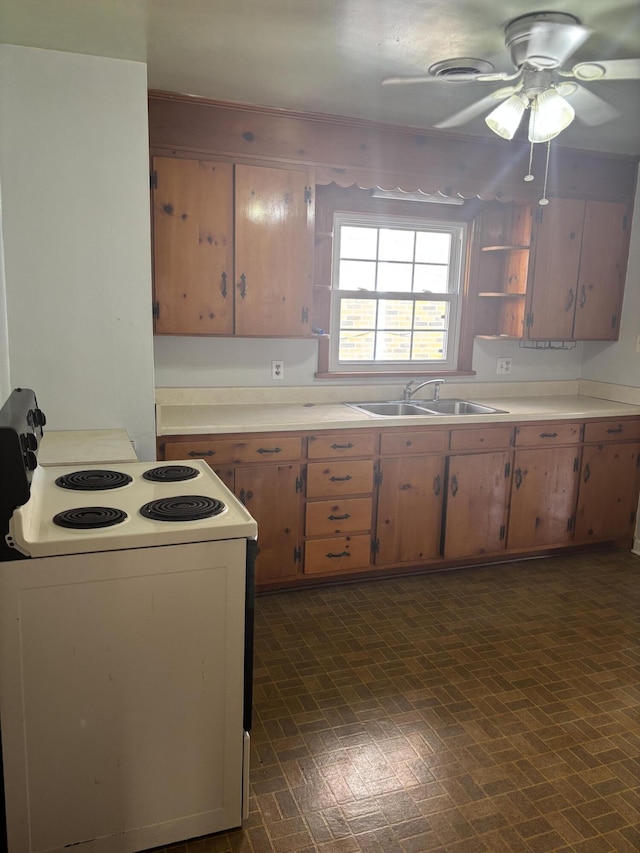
(539, 44)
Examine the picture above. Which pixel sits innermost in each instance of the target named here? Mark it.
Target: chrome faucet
(409, 390)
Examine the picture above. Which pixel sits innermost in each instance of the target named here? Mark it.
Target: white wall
(620, 362)
(75, 193)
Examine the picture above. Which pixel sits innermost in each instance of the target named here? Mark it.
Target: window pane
(358, 242)
(430, 278)
(357, 275)
(395, 314)
(393, 346)
(396, 245)
(432, 315)
(432, 247)
(395, 278)
(358, 313)
(431, 346)
(356, 346)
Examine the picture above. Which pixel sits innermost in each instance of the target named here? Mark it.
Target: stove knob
(36, 417)
(30, 460)
(29, 441)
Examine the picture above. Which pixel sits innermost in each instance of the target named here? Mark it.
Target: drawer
(343, 444)
(325, 518)
(337, 554)
(397, 442)
(536, 435)
(612, 430)
(325, 479)
(485, 438)
(236, 450)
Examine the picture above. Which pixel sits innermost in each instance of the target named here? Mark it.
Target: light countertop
(85, 447)
(193, 418)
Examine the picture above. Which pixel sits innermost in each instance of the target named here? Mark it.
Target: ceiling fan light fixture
(550, 115)
(506, 117)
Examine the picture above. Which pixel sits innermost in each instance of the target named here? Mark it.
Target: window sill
(393, 374)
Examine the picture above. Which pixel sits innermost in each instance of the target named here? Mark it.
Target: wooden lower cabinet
(543, 497)
(608, 495)
(271, 493)
(409, 517)
(476, 504)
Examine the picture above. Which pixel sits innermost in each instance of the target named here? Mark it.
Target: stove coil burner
(93, 481)
(182, 508)
(89, 517)
(170, 473)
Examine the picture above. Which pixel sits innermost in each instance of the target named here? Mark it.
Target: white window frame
(453, 296)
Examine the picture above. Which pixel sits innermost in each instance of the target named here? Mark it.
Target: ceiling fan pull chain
(532, 120)
(544, 199)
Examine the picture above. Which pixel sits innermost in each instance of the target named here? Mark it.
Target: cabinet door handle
(570, 298)
(339, 517)
(437, 485)
(454, 485)
(269, 450)
(342, 446)
(242, 286)
(223, 284)
(587, 472)
(583, 297)
(337, 556)
(201, 453)
(340, 479)
(517, 476)
(245, 496)
(548, 435)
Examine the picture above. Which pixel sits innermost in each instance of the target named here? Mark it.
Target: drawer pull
(269, 450)
(337, 556)
(615, 430)
(201, 453)
(548, 435)
(340, 479)
(342, 446)
(339, 517)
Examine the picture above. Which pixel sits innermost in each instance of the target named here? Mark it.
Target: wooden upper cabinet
(556, 263)
(232, 249)
(579, 267)
(273, 259)
(603, 266)
(193, 246)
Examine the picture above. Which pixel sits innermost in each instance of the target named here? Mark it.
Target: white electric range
(126, 648)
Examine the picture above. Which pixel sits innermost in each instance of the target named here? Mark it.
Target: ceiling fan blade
(608, 69)
(590, 109)
(498, 76)
(477, 108)
(459, 77)
(397, 81)
(551, 44)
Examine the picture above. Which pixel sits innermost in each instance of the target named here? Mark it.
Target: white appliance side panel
(121, 696)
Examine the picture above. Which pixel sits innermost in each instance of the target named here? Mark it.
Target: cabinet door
(603, 265)
(476, 510)
(271, 494)
(543, 497)
(273, 251)
(409, 525)
(556, 261)
(608, 496)
(193, 247)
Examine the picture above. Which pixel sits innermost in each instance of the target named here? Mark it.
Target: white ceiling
(329, 56)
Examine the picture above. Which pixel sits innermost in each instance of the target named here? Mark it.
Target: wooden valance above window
(350, 151)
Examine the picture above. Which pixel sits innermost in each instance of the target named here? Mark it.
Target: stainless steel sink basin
(390, 407)
(459, 407)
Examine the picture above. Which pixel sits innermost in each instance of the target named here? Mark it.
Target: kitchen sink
(460, 407)
(390, 408)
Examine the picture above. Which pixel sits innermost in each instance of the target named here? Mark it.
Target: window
(396, 294)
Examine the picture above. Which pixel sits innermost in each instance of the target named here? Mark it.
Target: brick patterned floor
(486, 710)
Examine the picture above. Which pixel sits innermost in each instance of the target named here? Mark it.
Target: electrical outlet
(503, 365)
(277, 369)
